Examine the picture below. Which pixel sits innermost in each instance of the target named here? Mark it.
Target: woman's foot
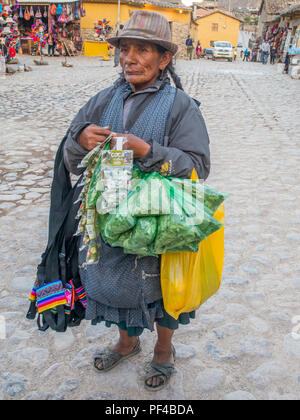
(122, 348)
(162, 356)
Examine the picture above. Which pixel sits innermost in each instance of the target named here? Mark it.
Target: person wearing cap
(122, 289)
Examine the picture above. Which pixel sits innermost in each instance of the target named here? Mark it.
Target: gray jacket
(186, 139)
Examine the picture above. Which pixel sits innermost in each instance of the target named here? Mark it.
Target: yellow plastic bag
(188, 279)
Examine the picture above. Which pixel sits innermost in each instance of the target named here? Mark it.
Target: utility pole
(118, 21)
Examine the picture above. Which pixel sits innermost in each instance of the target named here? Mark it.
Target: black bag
(60, 259)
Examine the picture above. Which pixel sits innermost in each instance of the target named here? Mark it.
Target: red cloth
(12, 52)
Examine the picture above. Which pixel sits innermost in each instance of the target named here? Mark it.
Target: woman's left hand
(139, 146)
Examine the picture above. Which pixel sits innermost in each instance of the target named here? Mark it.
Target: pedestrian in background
(189, 47)
(198, 50)
(117, 51)
(265, 49)
(51, 46)
(254, 55)
(287, 63)
(273, 53)
(234, 53)
(246, 55)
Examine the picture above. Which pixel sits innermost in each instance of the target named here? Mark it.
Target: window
(214, 27)
(223, 44)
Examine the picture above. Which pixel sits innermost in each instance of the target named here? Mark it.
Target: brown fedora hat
(147, 26)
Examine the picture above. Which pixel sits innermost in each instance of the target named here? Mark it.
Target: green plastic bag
(160, 215)
(150, 196)
(143, 233)
(118, 222)
(211, 198)
(188, 224)
(179, 218)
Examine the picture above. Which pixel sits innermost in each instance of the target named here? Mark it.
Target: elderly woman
(165, 129)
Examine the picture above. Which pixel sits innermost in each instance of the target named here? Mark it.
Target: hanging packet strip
(87, 226)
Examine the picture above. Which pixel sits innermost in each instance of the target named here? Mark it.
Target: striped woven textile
(50, 296)
(80, 292)
(32, 296)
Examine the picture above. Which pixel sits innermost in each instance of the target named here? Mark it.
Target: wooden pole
(118, 21)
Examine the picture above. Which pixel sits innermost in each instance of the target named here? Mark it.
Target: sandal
(111, 358)
(163, 371)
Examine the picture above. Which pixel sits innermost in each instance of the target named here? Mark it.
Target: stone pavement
(243, 344)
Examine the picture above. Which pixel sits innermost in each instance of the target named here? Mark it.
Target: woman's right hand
(92, 135)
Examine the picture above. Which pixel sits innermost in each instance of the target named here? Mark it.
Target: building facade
(270, 10)
(178, 15)
(218, 26)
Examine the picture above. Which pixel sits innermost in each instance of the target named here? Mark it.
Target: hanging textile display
(60, 21)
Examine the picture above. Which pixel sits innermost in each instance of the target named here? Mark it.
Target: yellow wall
(95, 49)
(95, 11)
(228, 29)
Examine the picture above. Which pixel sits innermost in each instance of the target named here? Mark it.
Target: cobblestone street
(242, 345)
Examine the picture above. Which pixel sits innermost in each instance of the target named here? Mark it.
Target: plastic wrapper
(113, 179)
(90, 158)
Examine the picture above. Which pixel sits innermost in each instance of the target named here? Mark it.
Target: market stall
(9, 33)
(99, 47)
(276, 34)
(61, 23)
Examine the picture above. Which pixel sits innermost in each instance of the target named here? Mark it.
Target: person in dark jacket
(189, 47)
(122, 289)
(273, 54)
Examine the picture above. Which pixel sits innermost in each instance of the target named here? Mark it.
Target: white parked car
(223, 49)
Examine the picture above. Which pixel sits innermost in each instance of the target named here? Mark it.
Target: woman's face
(141, 62)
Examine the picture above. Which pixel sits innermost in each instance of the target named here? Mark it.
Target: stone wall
(89, 34)
(180, 32)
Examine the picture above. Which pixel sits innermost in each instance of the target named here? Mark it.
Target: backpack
(53, 9)
(59, 9)
(26, 14)
(38, 13)
(57, 294)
